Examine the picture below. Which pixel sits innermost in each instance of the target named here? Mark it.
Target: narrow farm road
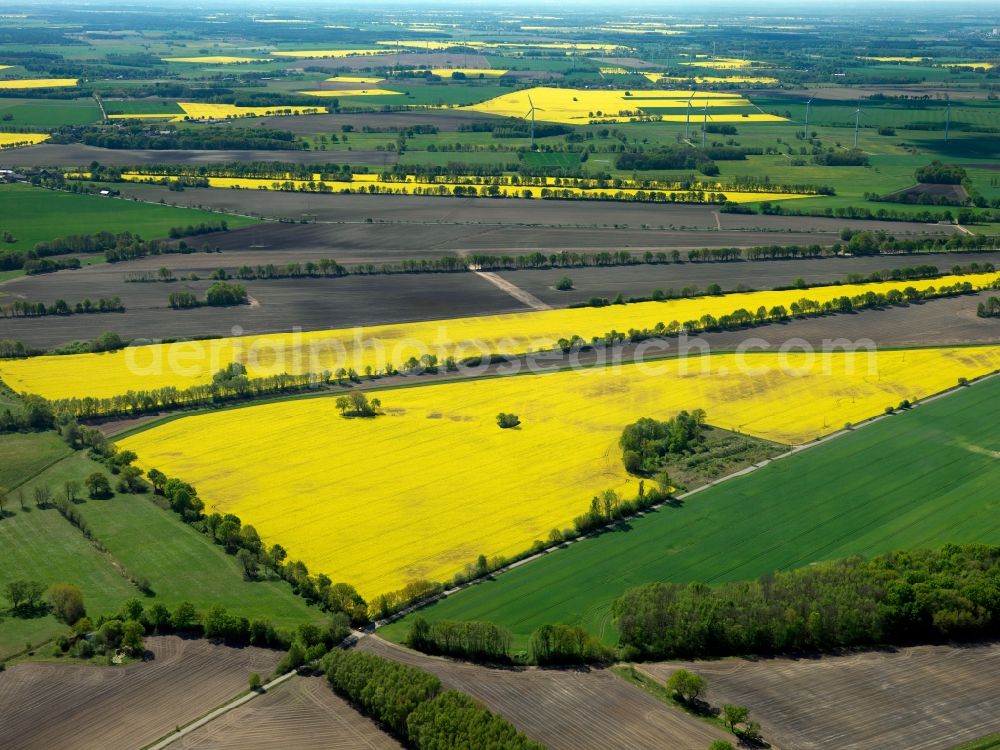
(514, 291)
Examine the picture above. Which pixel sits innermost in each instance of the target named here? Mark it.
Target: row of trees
(898, 598)
(137, 135)
(410, 703)
(25, 309)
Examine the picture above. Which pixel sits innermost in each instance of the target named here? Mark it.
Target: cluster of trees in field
(647, 442)
(128, 135)
(924, 596)
(849, 158)
(410, 703)
(219, 294)
(514, 127)
(25, 309)
(669, 157)
(489, 642)
(937, 173)
(989, 309)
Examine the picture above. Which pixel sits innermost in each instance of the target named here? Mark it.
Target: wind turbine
(531, 113)
(947, 120)
(704, 126)
(687, 127)
(805, 130)
(857, 124)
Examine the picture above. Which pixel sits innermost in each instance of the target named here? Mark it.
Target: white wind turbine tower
(805, 130)
(531, 114)
(687, 126)
(947, 120)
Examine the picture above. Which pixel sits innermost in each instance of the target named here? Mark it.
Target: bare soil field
(318, 303)
(526, 213)
(79, 155)
(921, 698)
(949, 192)
(303, 713)
(446, 121)
(282, 304)
(576, 709)
(641, 280)
(71, 706)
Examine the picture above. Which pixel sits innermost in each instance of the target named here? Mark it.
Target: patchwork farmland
(567, 377)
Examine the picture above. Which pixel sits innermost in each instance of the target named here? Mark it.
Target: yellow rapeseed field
(894, 59)
(315, 54)
(201, 111)
(355, 79)
(215, 59)
(657, 77)
(986, 65)
(351, 92)
(470, 72)
(184, 364)
(37, 83)
(15, 140)
(424, 489)
(721, 63)
(567, 47)
(362, 182)
(576, 106)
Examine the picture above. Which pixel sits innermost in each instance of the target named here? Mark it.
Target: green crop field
(26, 212)
(137, 536)
(49, 113)
(829, 502)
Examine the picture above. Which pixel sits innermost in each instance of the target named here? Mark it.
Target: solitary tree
(734, 715)
(686, 686)
(506, 421)
(66, 601)
(98, 486)
(564, 284)
(255, 683)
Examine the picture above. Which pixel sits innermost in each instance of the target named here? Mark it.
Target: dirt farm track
(921, 698)
(65, 706)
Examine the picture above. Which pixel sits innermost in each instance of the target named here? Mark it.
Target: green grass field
(140, 537)
(27, 213)
(829, 502)
(49, 113)
(985, 743)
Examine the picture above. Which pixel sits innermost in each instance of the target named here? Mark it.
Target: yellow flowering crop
(986, 65)
(184, 364)
(13, 140)
(469, 72)
(350, 92)
(310, 54)
(427, 487)
(576, 106)
(415, 187)
(355, 79)
(895, 59)
(657, 77)
(37, 83)
(721, 63)
(200, 111)
(215, 59)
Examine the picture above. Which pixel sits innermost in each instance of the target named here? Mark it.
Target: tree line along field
(142, 542)
(529, 480)
(831, 501)
(28, 214)
(319, 303)
(150, 367)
